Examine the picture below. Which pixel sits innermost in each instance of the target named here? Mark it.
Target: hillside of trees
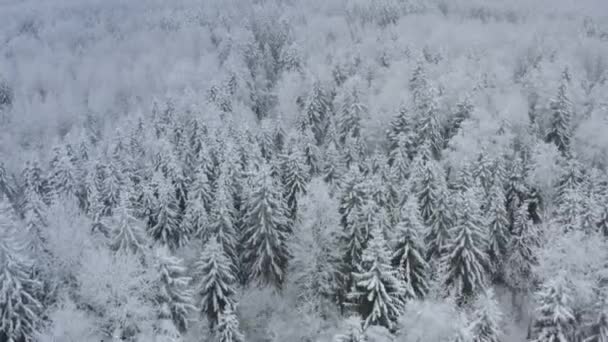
(304, 171)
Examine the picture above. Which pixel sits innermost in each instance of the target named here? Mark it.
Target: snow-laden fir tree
(570, 178)
(463, 111)
(112, 183)
(167, 228)
(312, 154)
(351, 110)
(266, 229)
(360, 223)
(570, 208)
(483, 171)
(401, 135)
(316, 110)
(427, 178)
(215, 281)
(223, 223)
(34, 215)
(599, 329)
(295, 174)
(333, 167)
(399, 158)
(62, 177)
(560, 130)
(377, 292)
(521, 256)
(408, 255)
(486, 325)
(200, 189)
(554, 321)
(20, 308)
(440, 224)
(228, 329)
(465, 257)
(498, 233)
(175, 291)
(127, 233)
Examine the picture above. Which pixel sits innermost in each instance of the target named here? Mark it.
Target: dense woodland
(336, 170)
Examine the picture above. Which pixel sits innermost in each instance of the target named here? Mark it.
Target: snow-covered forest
(304, 171)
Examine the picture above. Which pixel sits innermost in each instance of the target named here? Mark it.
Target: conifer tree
(265, 232)
(554, 317)
(223, 223)
(466, 258)
(62, 176)
(360, 222)
(20, 308)
(401, 134)
(228, 329)
(175, 293)
(560, 130)
(521, 256)
(408, 256)
(295, 177)
(427, 179)
(482, 171)
(34, 215)
(440, 225)
(487, 318)
(112, 183)
(167, 228)
(316, 111)
(127, 233)
(354, 331)
(399, 157)
(350, 113)
(215, 281)
(463, 111)
(377, 291)
(599, 329)
(334, 168)
(498, 234)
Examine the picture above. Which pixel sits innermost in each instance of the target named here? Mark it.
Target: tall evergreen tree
(20, 308)
(215, 281)
(521, 256)
(498, 234)
(175, 291)
(560, 130)
(466, 258)
(377, 291)
(487, 318)
(295, 177)
(351, 111)
(408, 256)
(440, 225)
(228, 329)
(401, 134)
(265, 232)
(354, 331)
(554, 317)
(127, 233)
(167, 228)
(62, 176)
(427, 179)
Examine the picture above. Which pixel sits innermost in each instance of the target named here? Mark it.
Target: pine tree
(401, 134)
(167, 228)
(350, 113)
(560, 131)
(295, 177)
(223, 223)
(482, 171)
(521, 257)
(354, 331)
(34, 214)
(228, 329)
(200, 189)
(265, 233)
(110, 189)
(570, 210)
(62, 173)
(316, 111)
(127, 233)
(427, 179)
(554, 317)
(463, 111)
(440, 225)
(487, 318)
(360, 222)
(599, 329)
(215, 281)
(466, 258)
(399, 157)
(498, 234)
(20, 309)
(408, 256)
(377, 291)
(175, 293)
(334, 168)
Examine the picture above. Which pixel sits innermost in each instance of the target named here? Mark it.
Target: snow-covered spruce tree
(465, 257)
(353, 194)
(223, 223)
(228, 329)
(62, 177)
(20, 309)
(555, 319)
(314, 267)
(167, 228)
(486, 325)
(215, 281)
(351, 110)
(560, 130)
(399, 158)
(34, 215)
(463, 111)
(311, 151)
(316, 111)
(6, 188)
(360, 223)
(175, 292)
(333, 167)
(570, 208)
(521, 255)
(427, 178)
(200, 189)
(377, 292)
(295, 174)
(483, 171)
(401, 134)
(440, 224)
(570, 178)
(516, 188)
(599, 329)
(498, 234)
(127, 233)
(112, 183)
(408, 255)
(265, 233)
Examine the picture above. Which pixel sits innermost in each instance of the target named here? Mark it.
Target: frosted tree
(377, 292)
(486, 325)
(599, 329)
(560, 130)
(265, 231)
(555, 319)
(112, 183)
(466, 259)
(215, 281)
(62, 176)
(427, 179)
(228, 329)
(316, 110)
(175, 292)
(350, 111)
(34, 215)
(399, 158)
(127, 233)
(408, 256)
(167, 228)
(483, 171)
(498, 234)
(463, 111)
(401, 134)
(20, 309)
(223, 223)
(357, 232)
(521, 250)
(570, 209)
(440, 224)
(334, 168)
(295, 177)
(200, 189)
